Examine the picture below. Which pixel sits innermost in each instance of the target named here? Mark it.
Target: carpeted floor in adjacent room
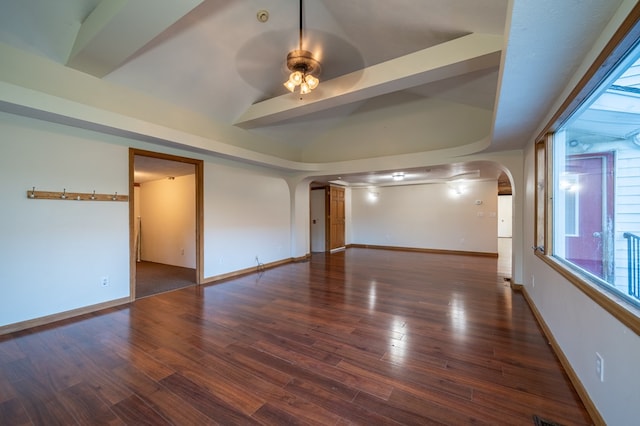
(153, 278)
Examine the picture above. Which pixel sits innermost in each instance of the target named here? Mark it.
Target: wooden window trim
(541, 197)
(622, 41)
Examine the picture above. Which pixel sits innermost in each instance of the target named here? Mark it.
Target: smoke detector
(263, 16)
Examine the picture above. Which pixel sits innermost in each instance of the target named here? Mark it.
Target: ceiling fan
(304, 68)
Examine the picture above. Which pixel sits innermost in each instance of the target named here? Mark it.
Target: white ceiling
(148, 169)
(404, 77)
(448, 173)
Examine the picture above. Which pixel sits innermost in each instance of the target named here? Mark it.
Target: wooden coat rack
(74, 196)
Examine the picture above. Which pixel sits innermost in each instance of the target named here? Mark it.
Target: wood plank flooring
(367, 337)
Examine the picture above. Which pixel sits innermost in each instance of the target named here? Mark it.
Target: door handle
(597, 234)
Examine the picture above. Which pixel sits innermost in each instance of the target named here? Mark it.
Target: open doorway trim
(199, 169)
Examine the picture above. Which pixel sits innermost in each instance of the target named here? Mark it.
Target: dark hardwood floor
(360, 337)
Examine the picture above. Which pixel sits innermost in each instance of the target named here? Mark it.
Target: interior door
(588, 227)
(336, 220)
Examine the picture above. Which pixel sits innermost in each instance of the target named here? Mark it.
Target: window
(588, 176)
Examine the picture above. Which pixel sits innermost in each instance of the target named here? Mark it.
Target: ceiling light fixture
(303, 66)
(398, 176)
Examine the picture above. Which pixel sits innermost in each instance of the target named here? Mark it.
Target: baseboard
(426, 250)
(516, 287)
(304, 258)
(253, 269)
(573, 377)
(36, 322)
(11, 328)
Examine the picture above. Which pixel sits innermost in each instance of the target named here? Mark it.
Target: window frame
(627, 35)
(541, 222)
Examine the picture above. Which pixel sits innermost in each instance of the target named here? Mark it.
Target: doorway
(588, 185)
(327, 208)
(165, 214)
(505, 225)
(505, 230)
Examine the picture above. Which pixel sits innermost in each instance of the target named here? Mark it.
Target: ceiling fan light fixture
(296, 78)
(303, 66)
(312, 81)
(304, 69)
(290, 85)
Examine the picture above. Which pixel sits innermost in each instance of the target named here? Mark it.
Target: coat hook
(93, 196)
(115, 196)
(33, 193)
(64, 194)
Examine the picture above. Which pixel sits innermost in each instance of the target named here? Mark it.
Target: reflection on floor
(504, 257)
(153, 278)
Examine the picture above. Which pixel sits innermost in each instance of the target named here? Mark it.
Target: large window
(588, 174)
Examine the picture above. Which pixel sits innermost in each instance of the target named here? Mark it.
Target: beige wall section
(373, 131)
(427, 216)
(168, 216)
(54, 253)
(247, 214)
(318, 221)
(580, 326)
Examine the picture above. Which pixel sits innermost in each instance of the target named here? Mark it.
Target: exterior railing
(633, 261)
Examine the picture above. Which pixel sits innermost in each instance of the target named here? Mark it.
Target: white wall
(318, 220)
(246, 214)
(54, 253)
(168, 212)
(582, 328)
(300, 210)
(369, 128)
(427, 216)
(348, 213)
(579, 325)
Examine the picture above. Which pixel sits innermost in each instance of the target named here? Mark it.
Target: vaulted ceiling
(398, 78)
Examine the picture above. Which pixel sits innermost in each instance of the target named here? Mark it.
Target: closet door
(336, 217)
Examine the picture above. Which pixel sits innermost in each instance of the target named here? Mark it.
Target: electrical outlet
(599, 367)
(104, 281)
(533, 281)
